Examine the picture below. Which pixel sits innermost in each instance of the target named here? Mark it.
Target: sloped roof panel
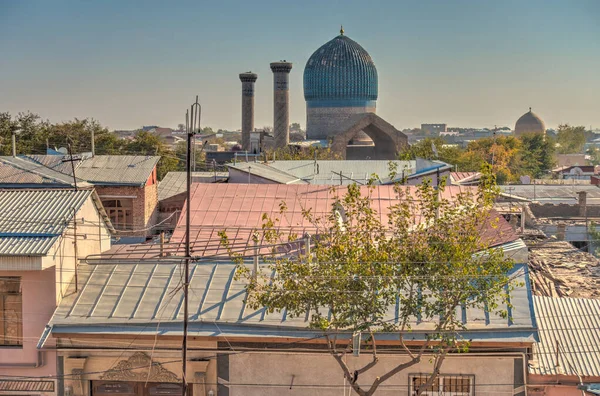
(572, 325)
(30, 220)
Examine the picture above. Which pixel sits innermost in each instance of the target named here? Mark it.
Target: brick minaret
(248, 79)
(281, 101)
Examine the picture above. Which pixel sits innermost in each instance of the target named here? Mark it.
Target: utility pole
(194, 118)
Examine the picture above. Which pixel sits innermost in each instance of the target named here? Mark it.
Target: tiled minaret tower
(281, 100)
(248, 79)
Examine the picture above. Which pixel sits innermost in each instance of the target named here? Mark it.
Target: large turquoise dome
(340, 74)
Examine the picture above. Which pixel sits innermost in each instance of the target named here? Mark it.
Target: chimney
(281, 101)
(248, 79)
(582, 203)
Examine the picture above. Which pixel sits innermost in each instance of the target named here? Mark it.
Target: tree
(570, 139)
(537, 154)
(109, 144)
(301, 153)
(146, 143)
(180, 127)
(360, 264)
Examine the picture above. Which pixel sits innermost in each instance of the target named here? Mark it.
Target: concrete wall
(43, 289)
(319, 374)
(38, 301)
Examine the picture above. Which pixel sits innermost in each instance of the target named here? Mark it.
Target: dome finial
(530, 109)
(342, 30)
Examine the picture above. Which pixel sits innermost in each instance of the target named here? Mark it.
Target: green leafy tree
(570, 139)
(360, 264)
(538, 155)
(301, 153)
(146, 143)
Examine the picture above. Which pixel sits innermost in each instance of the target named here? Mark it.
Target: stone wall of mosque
(325, 122)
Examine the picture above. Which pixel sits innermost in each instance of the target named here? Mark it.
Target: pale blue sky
(466, 63)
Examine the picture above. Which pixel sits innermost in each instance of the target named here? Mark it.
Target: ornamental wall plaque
(139, 367)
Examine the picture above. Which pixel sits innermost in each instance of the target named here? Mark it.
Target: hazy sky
(466, 63)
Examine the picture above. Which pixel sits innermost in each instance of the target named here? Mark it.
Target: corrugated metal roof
(575, 324)
(239, 209)
(175, 182)
(327, 171)
(147, 295)
(267, 172)
(117, 169)
(551, 193)
(22, 171)
(31, 220)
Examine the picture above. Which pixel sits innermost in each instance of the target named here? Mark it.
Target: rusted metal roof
(571, 326)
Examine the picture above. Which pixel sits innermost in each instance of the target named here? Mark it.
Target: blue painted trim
(314, 104)
(530, 299)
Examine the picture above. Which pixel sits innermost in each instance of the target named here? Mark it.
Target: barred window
(11, 312)
(443, 385)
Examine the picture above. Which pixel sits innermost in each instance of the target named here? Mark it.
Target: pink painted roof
(238, 208)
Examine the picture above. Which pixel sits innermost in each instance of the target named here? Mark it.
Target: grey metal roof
(131, 170)
(327, 171)
(175, 182)
(20, 171)
(575, 324)
(146, 297)
(552, 193)
(267, 172)
(32, 220)
(117, 169)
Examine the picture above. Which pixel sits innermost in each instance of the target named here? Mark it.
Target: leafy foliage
(570, 139)
(511, 157)
(300, 153)
(429, 253)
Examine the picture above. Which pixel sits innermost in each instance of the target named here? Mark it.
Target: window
(11, 312)
(446, 385)
(120, 212)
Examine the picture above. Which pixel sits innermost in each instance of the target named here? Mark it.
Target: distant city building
(433, 129)
(529, 123)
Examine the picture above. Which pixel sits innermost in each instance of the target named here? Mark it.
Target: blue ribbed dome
(340, 70)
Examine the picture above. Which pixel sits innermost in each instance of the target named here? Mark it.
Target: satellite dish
(63, 150)
(525, 179)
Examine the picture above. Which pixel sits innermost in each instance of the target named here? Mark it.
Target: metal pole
(93, 144)
(14, 143)
(75, 247)
(72, 165)
(186, 282)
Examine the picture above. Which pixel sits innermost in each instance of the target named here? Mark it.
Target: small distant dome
(529, 123)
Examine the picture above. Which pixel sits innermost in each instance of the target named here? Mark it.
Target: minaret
(248, 79)
(281, 101)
